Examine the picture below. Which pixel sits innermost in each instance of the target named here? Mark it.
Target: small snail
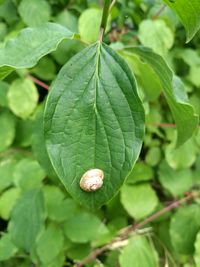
(92, 180)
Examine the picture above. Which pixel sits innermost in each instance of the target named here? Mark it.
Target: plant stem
(104, 19)
(125, 232)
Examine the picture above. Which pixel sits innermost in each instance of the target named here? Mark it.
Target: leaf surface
(184, 227)
(138, 253)
(188, 12)
(27, 219)
(30, 45)
(183, 113)
(94, 119)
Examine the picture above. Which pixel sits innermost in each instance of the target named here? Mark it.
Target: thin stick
(158, 13)
(40, 83)
(126, 231)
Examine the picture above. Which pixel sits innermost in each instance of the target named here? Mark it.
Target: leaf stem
(104, 19)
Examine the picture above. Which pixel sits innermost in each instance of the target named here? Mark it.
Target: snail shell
(92, 180)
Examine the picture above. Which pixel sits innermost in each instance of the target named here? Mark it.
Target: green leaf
(7, 129)
(181, 157)
(188, 12)
(78, 251)
(45, 69)
(49, 244)
(173, 90)
(89, 24)
(3, 94)
(38, 145)
(7, 166)
(24, 129)
(67, 19)
(183, 228)
(36, 42)
(153, 156)
(138, 253)
(176, 182)
(58, 208)
(27, 219)
(82, 228)
(23, 97)
(197, 250)
(194, 75)
(134, 200)
(7, 201)
(144, 74)
(7, 248)
(94, 119)
(156, 35)
(141, 172)
(34, 12)
(28, 174)
(66, 50)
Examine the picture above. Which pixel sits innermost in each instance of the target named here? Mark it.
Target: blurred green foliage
(40, 224)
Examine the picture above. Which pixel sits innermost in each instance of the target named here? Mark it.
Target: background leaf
(82, 228)
(7, 248)
(27, 219)
(188, 12)
(184, 227)
(138, 252)
(34, 12)
(156, 35)
(182, 111)
(89, 32)
(7, 129)
(132, 198)
(22, 97)
(36, 43)
(50, 239)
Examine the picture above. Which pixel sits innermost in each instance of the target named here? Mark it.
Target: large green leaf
(27, 219)
(30, 45)
(173, 90)
(138, 253)
(188, 12)
(94, 119)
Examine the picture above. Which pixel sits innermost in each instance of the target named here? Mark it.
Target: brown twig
(158, 13)
(124, 233)
(40, 83)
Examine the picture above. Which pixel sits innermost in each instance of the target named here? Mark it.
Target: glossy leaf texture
(188, 12)
(30, 45)
(94, 119)
(173, 89)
